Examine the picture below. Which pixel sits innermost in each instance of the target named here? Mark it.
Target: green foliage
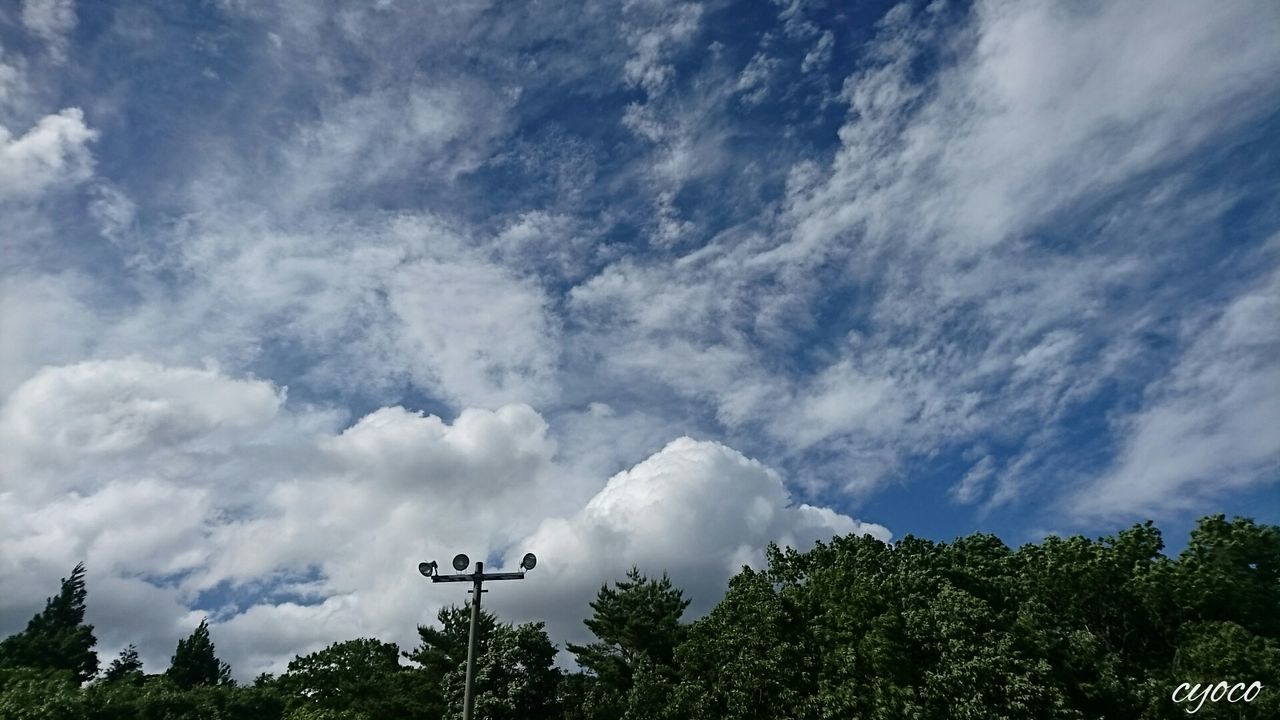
(57, 638)
(1231, 571)
(28, 693)
(444, 649)
(125, 668)
(159, 698)
(194, 662)
(637, 620)
(356, 678)
(746, 659)
(637, 627)
(515, 673)
(1066, 629)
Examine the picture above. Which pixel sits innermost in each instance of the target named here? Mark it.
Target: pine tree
(194, 663)
(57, 638)
(126, 667)
(637, 626)
(515, 677)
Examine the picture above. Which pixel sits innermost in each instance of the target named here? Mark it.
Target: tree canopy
(57, 638)
(1064, 629)
(194, 662)
(125, 668)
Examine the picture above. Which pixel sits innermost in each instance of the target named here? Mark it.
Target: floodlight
(427, 568)
(530, 560)
(461, 562)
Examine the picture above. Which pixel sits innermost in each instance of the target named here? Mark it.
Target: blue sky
(296, 294)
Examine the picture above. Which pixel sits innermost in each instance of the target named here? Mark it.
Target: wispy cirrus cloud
(1208, 426)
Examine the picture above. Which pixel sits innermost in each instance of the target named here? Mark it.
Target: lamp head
(461, 562)
(529, 562)
(427, 568)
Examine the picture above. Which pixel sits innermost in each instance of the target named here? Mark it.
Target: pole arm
(472, 577)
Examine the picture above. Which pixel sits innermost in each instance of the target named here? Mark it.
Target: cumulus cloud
(123, 464)
(179, 486)
(696, 509)
(55, 152)
(65, 424)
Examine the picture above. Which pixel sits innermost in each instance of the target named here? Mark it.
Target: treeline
(852, 629)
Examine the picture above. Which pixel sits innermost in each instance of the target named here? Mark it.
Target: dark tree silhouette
(194, 662)
(57, 638)
(125, 668)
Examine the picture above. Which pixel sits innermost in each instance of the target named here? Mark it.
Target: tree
(159, 698)
(444, 649)
(636, 624)
(745, 660)
(516, 677)
(57, 638)
(638, 618)
(125, 668)
(515, 666)
(362, 677)
(28, 693)
(1230, 571)
(194, 662)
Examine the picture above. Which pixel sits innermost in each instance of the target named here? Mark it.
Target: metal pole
(428, 569)
(468, 698)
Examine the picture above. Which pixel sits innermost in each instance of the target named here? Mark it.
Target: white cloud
(1208, 426)
(971, 485)
(486, 336)
(150, 472)
(12, 82)
(698, 510)
(753, 83)
(51, 21)
(657, 30)
(54, 152)
(389, 134)
(114, 213)
(843, 400)
(1049, 107)
(43, 319)
(66, 425)
(377, 303)
(922, 233)
(820, 55)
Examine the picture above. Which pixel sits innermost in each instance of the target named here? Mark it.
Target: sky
(297, 294)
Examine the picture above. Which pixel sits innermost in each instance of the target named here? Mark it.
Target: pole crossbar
(471, 577)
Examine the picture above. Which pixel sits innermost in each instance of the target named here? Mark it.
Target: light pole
(460, 563)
